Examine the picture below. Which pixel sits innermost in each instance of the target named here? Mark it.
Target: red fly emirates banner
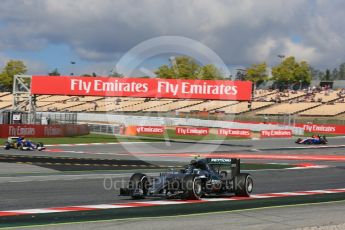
(192, 131)
(150, 129)
(275, 133)
(43, 130)
(235, 132)
(142, 87)
(327, 128)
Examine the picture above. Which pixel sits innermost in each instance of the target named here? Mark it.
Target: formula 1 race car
(203, 177)
(314, 140)
(22, 144)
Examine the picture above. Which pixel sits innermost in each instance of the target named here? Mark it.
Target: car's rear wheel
(139, 183)
(243, 185)
(192, 186)
(20, 146)
(39, 146)
(7, 145)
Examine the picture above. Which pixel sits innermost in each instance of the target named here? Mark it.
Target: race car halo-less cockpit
(203, 177)
(315, 139)
(22, 144)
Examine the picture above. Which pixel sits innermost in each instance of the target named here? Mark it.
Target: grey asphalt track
(26, 192)
(137, 150)
(22, 191)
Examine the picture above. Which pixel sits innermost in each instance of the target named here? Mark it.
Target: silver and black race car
(200, 178)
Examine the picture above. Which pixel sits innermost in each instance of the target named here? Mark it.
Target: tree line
(287, 73)
(328, 74)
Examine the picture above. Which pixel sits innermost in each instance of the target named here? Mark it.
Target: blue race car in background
(314, 140)
(22, 144)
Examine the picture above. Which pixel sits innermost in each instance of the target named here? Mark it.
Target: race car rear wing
(234, 163)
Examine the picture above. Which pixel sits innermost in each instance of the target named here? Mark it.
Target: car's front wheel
(139, 183)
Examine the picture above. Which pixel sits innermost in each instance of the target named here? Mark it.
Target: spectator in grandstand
(95, 106)
(117, 101)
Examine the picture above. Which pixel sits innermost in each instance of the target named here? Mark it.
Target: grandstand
(206, 106)
(325, 110)
(287, 108)
(309, 102)
(326, 96)
(146, 105)
(243, 107)
(6, 100)
(176, 105)
(263, 93)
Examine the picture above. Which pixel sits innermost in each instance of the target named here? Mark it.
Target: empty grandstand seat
(325, 110)
(206, 105)
(287, 108)
(243, 107)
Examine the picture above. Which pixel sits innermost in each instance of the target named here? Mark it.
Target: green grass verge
(90, 138)
(308, 134)
(103, 138)
(167, 210)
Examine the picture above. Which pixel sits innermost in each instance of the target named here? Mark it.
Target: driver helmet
(201, 164)
(193, 162)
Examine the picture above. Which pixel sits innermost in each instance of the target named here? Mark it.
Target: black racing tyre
(39, 146)
(323, 140)
(192, 185)
(243, 184)
(298, 140)
(20, 146)
(7, 145)
(139, 181)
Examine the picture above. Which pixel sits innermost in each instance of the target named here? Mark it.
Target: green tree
(335, 74)
(210, 72)
(327, 75)
(55, 72)
(341, 72)
(257, 73)
(290, 71)
(184, 67)
(316, 74)
(165, 71)
(12, 67)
